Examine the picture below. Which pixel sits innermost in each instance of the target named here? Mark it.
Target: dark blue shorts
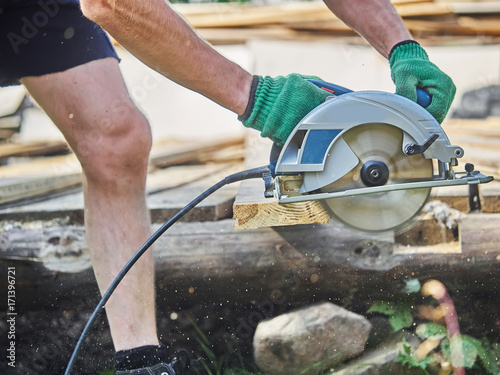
(39, 37)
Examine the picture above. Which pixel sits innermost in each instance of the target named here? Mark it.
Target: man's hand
(277, 105)
(411, 68)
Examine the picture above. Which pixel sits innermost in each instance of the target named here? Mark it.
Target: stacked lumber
(431, 20)
(40, 171)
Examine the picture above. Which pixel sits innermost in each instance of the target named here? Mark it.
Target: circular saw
(371, 157)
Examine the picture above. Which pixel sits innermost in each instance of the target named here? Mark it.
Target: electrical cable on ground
(239, 176)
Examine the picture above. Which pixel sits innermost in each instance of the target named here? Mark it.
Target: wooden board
(42, 167)
(252, 210)
(241, 15)
(194, 152)
(19, 190)
(9, 150)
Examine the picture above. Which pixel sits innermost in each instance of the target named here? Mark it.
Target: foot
(179, 366)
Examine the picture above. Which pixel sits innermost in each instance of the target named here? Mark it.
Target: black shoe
(179, 366)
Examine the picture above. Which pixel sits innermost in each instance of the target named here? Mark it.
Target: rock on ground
(314, 338)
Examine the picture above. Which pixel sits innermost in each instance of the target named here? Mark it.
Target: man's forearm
(376, 20)
(159, 37)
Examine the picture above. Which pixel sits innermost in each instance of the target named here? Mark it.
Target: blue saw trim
(317, 144)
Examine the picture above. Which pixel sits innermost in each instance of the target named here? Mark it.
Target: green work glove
(277, 105)
(411, 68)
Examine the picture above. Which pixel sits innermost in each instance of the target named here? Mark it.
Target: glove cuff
(405, 50)
(251, 100)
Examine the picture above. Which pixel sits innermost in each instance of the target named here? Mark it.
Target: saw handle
(423, 97)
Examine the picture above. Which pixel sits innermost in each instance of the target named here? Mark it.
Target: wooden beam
(199, 262)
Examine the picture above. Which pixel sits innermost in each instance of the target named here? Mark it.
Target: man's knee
(118, 148)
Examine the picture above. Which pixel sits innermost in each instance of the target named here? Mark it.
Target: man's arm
(376, 20)
(159, 37)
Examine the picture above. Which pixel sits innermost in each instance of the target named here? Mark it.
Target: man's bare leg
(112, 139)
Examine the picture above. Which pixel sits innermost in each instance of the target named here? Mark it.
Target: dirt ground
(46, 338)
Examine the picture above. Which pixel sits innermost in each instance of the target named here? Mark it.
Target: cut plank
(252, 210)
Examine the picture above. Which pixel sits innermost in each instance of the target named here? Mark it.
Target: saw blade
(380, 143)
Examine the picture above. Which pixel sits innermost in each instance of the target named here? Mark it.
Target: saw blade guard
(318, 137)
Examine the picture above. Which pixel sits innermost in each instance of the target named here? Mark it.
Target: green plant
(407, 359)
(399, 313)
(451, 346)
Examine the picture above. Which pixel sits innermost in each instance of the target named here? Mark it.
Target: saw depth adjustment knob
(374, 173)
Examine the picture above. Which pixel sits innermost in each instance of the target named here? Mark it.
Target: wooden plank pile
(36, 184)
(433, 21)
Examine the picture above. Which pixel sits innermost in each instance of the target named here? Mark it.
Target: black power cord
(240, 176)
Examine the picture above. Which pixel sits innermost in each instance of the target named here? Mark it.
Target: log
(210, 262)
